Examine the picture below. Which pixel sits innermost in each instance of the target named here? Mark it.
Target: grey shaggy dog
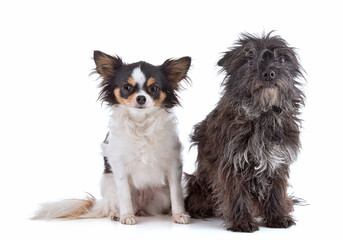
(247, 143)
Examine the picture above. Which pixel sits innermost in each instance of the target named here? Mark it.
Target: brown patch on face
(130, 101)
(131, 81)
(159, 101)
(150, 82)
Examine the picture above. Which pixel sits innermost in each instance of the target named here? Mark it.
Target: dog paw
(180, 218)
(115, 216)
(244, 227)
(128, 219)
(141, 213)
(282, 222)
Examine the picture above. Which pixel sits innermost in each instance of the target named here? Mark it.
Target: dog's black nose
(141, 99)
(268, 75)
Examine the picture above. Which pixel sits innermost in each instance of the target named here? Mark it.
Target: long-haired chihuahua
(142, 151)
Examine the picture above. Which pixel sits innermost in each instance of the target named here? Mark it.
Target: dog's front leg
(124, 195)
(278, 205)
(236, 205)
(176, 195)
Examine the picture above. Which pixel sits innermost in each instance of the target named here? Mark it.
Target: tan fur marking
(105, 67)
(88, 203)
(269, 95)
(150, 81)
(105, 60)
(117, 94)
(130, 101)
(158, 102)
(177, 70)
(131, 81)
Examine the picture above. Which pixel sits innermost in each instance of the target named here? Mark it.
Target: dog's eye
(127, 87)
(154, 88)
(250, 61)
(282, 60)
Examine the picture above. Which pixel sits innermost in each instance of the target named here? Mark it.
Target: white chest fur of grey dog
(143, 151)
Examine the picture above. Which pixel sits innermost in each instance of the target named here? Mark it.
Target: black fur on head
(261, 73)
(247, 143)
(114, 73)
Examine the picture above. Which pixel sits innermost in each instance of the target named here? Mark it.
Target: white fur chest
(145, 142)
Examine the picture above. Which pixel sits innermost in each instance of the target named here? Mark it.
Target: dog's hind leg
(109, 196)
(197, 201)
(153, 201)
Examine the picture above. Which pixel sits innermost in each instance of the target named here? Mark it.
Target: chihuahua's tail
(74, 208)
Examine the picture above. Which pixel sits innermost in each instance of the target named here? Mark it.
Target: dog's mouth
(270, 85)
(142, 107)
(265, 85)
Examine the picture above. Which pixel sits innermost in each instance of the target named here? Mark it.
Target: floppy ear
(230, 60)
(226, 59)
(234, 56)
(106, 65)
(176, 70)
(222, 61)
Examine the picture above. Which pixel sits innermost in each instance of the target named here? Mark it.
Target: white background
(51, 124)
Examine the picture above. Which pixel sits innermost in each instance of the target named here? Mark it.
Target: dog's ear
(176, 70)
(106, 65)
(231, 59)
(225, 60)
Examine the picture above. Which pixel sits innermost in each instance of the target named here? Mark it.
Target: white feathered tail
(74, 208)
